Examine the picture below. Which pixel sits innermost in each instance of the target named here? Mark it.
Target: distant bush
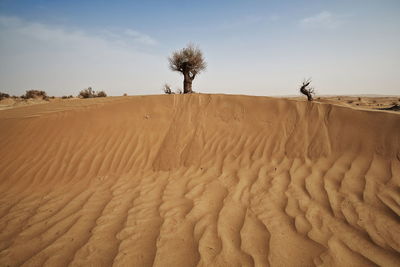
(350, 101)
(167, 89)
(359, 99)
(35, 94)
(66, 97)
(89, 93)
(125, 94)
(4, 95)
(101, 94)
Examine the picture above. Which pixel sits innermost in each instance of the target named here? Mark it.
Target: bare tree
(309, 92)
(189, 61)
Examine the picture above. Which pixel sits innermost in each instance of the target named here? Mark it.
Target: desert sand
(199, 180)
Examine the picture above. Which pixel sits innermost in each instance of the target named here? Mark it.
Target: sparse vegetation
(307, 91)
(190, 62)
(4, 95)
(167, 89)
(101, 94)
(90, 93)
(35, 94)
(66, 97)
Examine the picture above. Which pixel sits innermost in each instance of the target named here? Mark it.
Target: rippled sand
(207, 180)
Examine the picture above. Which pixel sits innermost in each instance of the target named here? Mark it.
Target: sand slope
(207, 180)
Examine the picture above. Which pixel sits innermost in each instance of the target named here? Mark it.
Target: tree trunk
(306, 92)
(187, 83)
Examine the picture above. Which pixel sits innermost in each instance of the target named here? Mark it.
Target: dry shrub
(307, 91)
(350, 101)
(125, 94)
(4, 95)
(87, 93)
(167, 89)
(101, 94)
(90, 93)
(35, 94)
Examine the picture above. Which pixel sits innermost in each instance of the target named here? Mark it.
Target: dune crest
(207, 180)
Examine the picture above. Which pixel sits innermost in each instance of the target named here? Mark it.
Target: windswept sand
(208, 180)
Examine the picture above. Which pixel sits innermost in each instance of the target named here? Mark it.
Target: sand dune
(207, 180)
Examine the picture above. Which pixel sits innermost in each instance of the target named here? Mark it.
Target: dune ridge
(207, 180)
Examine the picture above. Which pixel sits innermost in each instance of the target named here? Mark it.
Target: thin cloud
(57, 58)
(140, 37)
(323, 19)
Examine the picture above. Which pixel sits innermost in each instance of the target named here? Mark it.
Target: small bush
(125, 94)
(4, 95)
(359, 99)
(350, 101)
(66, 97)
(167, 89)
(101, 94)
(89, 93)
(35, 94)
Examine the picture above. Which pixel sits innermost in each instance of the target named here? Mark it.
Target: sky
(254, 47)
